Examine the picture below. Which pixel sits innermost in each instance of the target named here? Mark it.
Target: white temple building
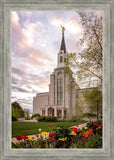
(61, 98)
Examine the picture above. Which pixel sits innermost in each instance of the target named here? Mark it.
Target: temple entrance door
(50, 111)
(64, 113)
(59, 113)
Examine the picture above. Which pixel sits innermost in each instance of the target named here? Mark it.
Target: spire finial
(63, 29)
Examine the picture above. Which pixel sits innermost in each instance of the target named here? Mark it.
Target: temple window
(59, 73)
(59, 91)
(43, 112)
(64, 113)
(59, 113)
(61, 59)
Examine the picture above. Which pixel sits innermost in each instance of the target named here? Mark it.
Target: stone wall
(39, 102)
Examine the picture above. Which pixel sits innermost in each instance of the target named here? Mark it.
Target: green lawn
(29, 128)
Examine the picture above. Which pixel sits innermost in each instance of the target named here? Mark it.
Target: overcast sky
(36, 39)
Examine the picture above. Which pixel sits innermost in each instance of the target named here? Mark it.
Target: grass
(29, 128)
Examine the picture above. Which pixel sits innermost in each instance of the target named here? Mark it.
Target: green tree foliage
(88, 63)
(89, 115)
(93, 98)
(16, 105)
(35, 116)
(79, 110)
(17, 110)
(27, 115)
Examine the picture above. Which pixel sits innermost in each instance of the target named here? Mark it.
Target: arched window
(61, 59)
(59, 73)
(50, 111)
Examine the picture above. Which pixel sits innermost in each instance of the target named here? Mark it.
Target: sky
(36, 39)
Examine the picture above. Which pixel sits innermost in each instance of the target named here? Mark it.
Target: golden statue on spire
(63, 29)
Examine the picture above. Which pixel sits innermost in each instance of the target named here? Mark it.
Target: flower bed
(87, 137)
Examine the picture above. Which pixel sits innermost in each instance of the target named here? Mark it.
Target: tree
(78, 110)
(89, 115)
(93, 98)
(27, 115)
(17, 110)
(88, 63)
(16, 105)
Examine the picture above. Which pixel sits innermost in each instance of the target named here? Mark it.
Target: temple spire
(63, 46)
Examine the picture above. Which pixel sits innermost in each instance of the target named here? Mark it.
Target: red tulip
(96, 124)
(100, 125)
(52, 139)
(84, 135)
(51, 134)
(19, 137)
(90, 130)
(51, 125)
(75, 129)
(37, 135)
(25, 138)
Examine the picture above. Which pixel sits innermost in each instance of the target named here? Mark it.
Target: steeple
(63, 47)
(62, 52)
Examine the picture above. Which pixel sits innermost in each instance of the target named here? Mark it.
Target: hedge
(47, 119)
(35, 116)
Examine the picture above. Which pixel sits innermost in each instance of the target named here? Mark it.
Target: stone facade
(63, 91)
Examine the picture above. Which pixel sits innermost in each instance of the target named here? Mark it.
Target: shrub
(71, 120)
(35, 116)
(94, 141)
(62, 133)
(62, 120)
(14, 118)
(78, 144)
(47, 119)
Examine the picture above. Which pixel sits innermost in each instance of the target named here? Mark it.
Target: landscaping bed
(64, 137)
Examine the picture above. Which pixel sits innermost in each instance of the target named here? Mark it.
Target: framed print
(35, 37)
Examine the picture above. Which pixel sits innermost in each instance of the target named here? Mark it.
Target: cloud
(14, 19)
(73, 27)
(28, 82)
(18, 71)
(26, 103)
(16, 89)
(73, 31)
(71, 23)
(24, 40)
